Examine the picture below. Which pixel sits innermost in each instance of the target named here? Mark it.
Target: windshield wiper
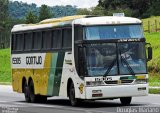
(129, 67)
(110, 67)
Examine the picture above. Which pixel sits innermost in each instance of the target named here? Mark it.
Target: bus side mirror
(149, 53)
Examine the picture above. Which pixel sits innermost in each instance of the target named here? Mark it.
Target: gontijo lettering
(33, 60)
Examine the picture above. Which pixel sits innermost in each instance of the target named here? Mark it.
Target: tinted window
(13, 42)
(57, 39)
(113, 32)
(47, 35)
(78, 33)
(37, 40)
(28, 41)
(67, 38)
(19, 42)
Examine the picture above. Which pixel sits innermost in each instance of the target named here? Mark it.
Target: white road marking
(3, 101)
(42, 105)
(156, 103)
(7, 105)
(36, 105)
(18, 103)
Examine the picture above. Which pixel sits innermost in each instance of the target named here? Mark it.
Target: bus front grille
(119, 82)
(111, 82)
(127, 81)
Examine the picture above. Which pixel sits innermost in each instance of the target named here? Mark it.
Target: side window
(13, 44)
(57, 39)
(28, 41)
(19, 42)
(78, 32)
(47, 35)
(67, 38)
(37, 40)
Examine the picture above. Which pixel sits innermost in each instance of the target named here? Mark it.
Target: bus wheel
(43, 99)
(26, 92)
(33, 97)
(73, 100)
(125, 100)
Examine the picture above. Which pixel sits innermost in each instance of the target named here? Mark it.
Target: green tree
(4, 23)
(135, 8)
(3, 12)
(98, 10)
(127, 11)
(83, 11)
(44, 13)
(154, 8)
(116, 6)
(31, 18)
(140, 7)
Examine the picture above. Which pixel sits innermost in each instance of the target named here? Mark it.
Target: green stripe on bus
(52, 74)
(58, 73)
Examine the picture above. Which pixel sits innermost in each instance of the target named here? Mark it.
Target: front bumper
(104, 92)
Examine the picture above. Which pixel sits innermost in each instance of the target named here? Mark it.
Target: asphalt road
(11, 102)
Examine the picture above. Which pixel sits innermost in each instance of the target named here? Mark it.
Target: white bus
(80, 57)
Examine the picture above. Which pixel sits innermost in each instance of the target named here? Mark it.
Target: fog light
(141, 77)
(96, 91)
(141, 81)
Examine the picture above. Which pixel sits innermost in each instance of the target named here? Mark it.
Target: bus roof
(47, 23)
(111, 20)
(78, 19)
(62, 19)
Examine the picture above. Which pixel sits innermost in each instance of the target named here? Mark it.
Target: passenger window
(37, 40)
(47, 35)
(19, 42)
(28, 41)
(14, 42)
(67, 38)
(57, 39)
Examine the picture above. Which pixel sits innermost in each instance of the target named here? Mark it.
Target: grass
(154, 91)
(5, 83)
(154, 64)
(154, 79)
(5, 66)
(154, 39)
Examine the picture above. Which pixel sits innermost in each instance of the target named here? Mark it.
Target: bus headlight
(94, 83)
(141, 81)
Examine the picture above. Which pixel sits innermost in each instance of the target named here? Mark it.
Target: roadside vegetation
(154, 64)
(154, 91)
(151, 24)
(5, 66)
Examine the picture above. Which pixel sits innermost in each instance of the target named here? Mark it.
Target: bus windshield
(115, 58)
(113, 32)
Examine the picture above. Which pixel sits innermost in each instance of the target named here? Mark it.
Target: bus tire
(43, 99)
(34, 98)
(26, 92)
(73, 100)
(125, 100)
